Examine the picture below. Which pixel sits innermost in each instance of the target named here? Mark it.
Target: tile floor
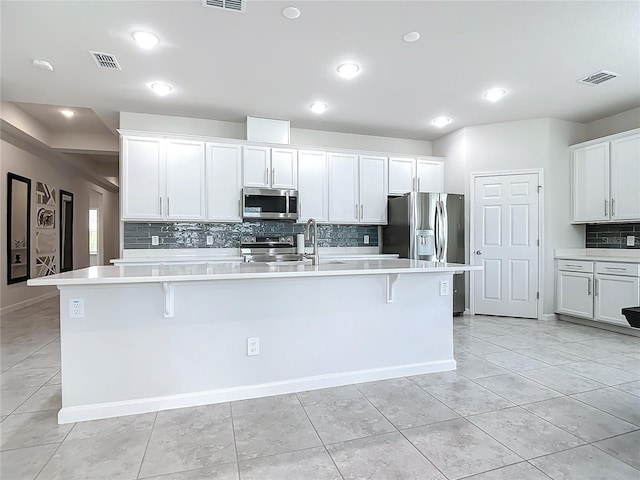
(530, 400)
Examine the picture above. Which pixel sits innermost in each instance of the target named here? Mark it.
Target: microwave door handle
(286, 202)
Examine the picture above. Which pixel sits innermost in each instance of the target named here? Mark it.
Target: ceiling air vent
(233, 5)
(106, 60)
(598, 77)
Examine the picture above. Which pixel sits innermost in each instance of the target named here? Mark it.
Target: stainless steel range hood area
(268, 130)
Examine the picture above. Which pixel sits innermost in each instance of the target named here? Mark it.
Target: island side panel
(314, 333)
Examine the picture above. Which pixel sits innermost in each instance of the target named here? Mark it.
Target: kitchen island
(138, 339)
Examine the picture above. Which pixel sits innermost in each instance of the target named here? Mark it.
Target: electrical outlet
(209, 239)
(155, 240)
(253, 346)
(631, 241)
(366, 239)
(444, 288)
(76, 308)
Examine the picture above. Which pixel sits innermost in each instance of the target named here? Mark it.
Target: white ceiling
(227, 65)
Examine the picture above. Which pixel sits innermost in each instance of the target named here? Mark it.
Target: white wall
(614, 124)
(299, 136)
(16, 160)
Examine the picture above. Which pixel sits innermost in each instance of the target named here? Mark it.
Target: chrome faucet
(307, 234)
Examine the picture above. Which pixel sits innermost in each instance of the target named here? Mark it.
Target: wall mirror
(66, 231)
(18, 228)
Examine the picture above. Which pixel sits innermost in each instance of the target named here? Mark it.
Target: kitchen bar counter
(138, 339)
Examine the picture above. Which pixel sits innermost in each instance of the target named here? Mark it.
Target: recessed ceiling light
(441, 121)
(43, 64)
(348, 70)
(67, 113)
(160, 88)
(291, 12)
(145, 39)
(494, 94)
(318, 107)
(411, 37)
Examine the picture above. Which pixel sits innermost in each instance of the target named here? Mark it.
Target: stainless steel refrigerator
(428, 226)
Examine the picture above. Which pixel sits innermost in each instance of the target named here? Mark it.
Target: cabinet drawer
(614, 268)
(575, 266)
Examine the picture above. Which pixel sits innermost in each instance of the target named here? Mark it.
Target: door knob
(478, 252)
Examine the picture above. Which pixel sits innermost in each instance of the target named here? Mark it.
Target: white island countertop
(129, 274)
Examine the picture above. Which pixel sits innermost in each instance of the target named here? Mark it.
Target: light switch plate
(631, 240)
(155, 240)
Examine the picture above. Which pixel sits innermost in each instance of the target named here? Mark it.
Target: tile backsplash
(612, 235)
(227, 235)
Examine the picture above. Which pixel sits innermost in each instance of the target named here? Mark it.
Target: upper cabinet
(605, 178)
(266, 167)
(407, 174)
(162, 179)
(224, 182)
(313, 186)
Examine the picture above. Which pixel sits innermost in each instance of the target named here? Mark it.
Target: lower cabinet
(612, 294)
(575, 294)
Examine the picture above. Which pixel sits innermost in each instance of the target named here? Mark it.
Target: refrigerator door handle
(444, 231)
(438, 227)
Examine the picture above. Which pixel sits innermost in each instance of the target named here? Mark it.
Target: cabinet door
(612, 294)
(343, 188)
(256, 166)
(590, 184)
(313, 191)
(575, 294)
(625, 178)
(224, 182)
(430, 176)
(373, 190)
(142, 179)
(402, 175)
(185, 163)
(284, 168)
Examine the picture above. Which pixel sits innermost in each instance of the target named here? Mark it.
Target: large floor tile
(522, 471)
(24, 463)
(632, 387)
(228, 471)
(579, 419)
(581, 350)
(458, 448)
(517, 389)
(31, 429)
(404, 404)
(620, 404)
(283, 428)
(10, 354)
(189, 438)
(439, 378)
(112, 426)
(314, 464)
(617, 344)
(475, 345)
(34, 377)
(622, 362)
(512, 342)
(524, 433)
(387, 457)
(585, 463)
(343, 413)
(468, 398)
(561, 380)
(550, 355)
(47, 398)
(276, 403)
(624, 447)
(115, 457)
(476, 367)
(12, 398)
(601, 373)
(40, 360)
(513, 361)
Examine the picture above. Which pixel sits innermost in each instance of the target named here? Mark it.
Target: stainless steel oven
(270, 204)
(269, 248)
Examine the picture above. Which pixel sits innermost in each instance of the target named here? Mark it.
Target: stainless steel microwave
(270, 204)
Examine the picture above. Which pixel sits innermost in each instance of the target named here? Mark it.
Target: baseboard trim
(548, 317)
(28, 302)
(244, 392)
(634, 332)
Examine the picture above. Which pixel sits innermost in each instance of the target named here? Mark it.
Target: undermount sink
(331, 262)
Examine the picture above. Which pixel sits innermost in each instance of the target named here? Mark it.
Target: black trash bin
(633, 316)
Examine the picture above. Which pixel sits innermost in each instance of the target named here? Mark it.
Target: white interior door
(506, 244)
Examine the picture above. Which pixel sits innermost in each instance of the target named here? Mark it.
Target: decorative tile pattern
(612, 235)
(227, 235)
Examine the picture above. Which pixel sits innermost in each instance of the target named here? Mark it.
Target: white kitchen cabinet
(575, 294)
(185, 180)
(605, 175)
(625, 178)
(373, 190)
(142, 179)
(162, 179)
(224, 182)
(344, 203)
(266, 167)
(612, 294)
(313, 185)
(408, 174)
